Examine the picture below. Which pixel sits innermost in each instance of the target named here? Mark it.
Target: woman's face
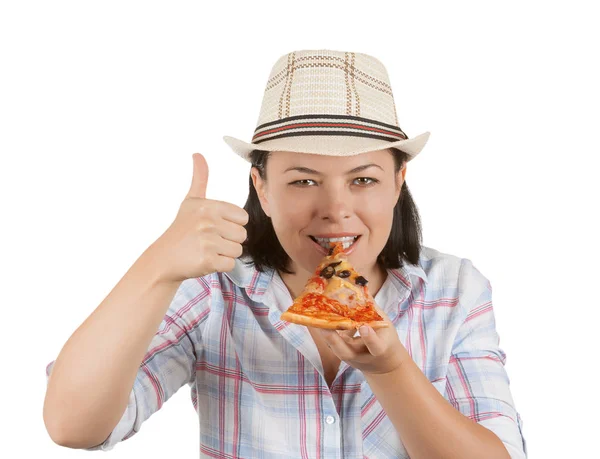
(312, 197)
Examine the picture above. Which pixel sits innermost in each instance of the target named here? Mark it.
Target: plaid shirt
(257, 383)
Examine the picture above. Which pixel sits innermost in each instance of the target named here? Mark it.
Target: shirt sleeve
(477, 382)
(169, 363)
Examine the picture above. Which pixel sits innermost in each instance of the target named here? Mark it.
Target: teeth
(336, 239)
(346, 241)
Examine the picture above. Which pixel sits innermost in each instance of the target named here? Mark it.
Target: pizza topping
(360, 280)
(320, 283)
(335, 293)
(328, 272)
(341, 289)
(316, 304)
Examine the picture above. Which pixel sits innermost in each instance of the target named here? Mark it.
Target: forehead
(281, 160)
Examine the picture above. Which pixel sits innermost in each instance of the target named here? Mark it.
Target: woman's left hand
(373, 352)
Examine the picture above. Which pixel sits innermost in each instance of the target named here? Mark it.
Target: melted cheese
(341, 289)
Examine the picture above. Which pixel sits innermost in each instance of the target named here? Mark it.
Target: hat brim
(329, 145)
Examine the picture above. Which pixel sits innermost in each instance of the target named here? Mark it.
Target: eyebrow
(314, 172)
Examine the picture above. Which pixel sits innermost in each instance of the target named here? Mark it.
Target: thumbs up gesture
(206, 235)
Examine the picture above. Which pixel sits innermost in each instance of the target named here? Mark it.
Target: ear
(260, 187)
(400, 180)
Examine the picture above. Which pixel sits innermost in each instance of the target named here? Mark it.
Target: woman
(328, 161)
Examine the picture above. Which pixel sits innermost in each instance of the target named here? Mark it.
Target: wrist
(399, 359)
(153, 264)
(386, 373)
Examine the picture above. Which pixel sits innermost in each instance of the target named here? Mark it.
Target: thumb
(374, 343)
(200, 177)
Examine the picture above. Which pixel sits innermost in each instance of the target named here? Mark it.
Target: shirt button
(329, 419)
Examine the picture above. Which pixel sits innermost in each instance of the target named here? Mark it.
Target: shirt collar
(246, 276)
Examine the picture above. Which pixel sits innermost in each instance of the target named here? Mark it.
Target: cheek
(289, 211)
(377, 214)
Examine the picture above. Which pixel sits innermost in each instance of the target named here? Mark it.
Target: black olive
(327, 272)
(361, 280)
(344, 273)
(333, 265)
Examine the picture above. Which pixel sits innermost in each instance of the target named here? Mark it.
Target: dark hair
(265, 251)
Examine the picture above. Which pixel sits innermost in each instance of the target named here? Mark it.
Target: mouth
(324, 243)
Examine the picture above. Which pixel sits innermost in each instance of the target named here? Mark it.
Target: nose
(335, 205)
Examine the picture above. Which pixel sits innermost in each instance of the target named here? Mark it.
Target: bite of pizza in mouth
(325, 242)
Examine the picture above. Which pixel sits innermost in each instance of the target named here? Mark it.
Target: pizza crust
(330, 323)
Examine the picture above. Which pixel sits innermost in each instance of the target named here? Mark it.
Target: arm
(135, 368)
(477, 383)
(477, 418)
(427, 424)
(86, 397)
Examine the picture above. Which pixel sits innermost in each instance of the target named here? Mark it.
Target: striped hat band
(338, 125)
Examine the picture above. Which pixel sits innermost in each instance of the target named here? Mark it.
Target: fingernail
(364, 330)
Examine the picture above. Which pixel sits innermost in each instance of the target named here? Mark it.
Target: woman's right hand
(206, 235)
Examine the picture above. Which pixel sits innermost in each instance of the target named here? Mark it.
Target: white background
(103, 104)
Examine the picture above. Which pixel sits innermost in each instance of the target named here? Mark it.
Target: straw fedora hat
(328, 102)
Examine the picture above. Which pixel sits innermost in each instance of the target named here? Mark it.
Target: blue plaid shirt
(257, 382)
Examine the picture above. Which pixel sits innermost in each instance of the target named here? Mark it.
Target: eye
(366, 181)
(302, 183)
(361, 181)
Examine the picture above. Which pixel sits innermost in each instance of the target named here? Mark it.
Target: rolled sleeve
(477, 382)
(121, 430)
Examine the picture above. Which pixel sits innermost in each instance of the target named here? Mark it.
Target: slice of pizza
(335, 297)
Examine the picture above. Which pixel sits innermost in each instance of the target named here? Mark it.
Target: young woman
(202, 305)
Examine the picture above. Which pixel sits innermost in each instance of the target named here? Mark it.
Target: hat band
(338, 125)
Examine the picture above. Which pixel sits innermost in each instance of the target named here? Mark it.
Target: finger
(347, 333)
(199, 177)
(372, 341)
(233, 213)
(337, 344)
(355, 343)
(229, 248)
(353, 339)
(224, 264)
(232, 231)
